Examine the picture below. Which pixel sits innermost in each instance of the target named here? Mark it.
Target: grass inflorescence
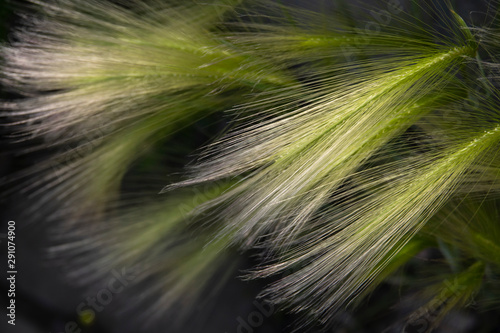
(345, 151)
